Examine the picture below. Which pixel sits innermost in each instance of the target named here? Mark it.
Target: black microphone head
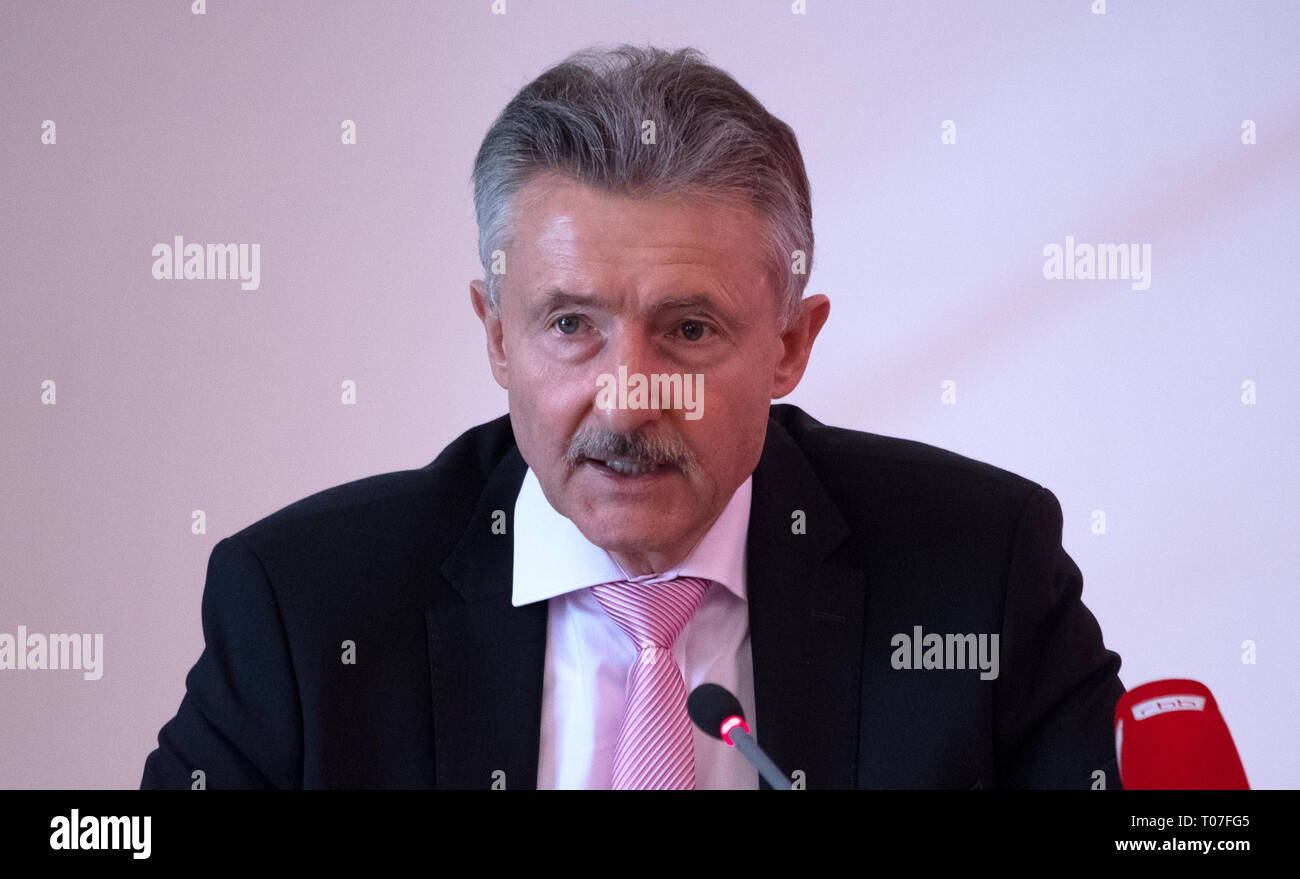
(709, 705)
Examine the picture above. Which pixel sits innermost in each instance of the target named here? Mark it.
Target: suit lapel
(486, 656)
(805, 619)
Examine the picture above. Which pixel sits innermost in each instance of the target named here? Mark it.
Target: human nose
(622, 400)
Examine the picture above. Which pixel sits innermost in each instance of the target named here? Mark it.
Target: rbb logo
(1152, 707)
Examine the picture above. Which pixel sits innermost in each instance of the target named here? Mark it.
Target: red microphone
(1169, 735)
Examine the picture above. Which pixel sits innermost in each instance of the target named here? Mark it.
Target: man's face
(595, 282)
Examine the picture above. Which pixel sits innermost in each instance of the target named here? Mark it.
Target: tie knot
(652, 614)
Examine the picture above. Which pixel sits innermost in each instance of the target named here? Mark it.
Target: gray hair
(583, 118)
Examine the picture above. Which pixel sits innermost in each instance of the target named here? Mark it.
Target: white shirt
(588, 657)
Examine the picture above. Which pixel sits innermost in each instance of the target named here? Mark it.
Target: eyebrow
(558, 296)
(694, 300)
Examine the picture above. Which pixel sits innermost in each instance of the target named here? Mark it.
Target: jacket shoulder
(429, 500)
(886, 484)
(871, 454)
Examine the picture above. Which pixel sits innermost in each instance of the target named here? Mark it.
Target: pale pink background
(175, 396)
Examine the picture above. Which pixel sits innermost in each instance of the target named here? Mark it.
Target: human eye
(695, 330)
(568, 324)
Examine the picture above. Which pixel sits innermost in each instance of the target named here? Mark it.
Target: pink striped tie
(654, 749)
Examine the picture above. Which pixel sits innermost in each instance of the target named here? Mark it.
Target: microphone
(716, 711)
(1169, 735)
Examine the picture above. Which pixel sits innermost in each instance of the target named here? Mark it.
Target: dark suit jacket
(446, 688)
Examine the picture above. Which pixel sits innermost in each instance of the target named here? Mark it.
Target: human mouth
(632, 469)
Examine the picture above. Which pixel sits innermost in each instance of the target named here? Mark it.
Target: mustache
(638, 447)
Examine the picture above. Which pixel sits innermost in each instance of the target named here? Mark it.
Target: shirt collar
(552, 557)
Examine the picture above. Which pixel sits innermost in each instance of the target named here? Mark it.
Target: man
(530, 609)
